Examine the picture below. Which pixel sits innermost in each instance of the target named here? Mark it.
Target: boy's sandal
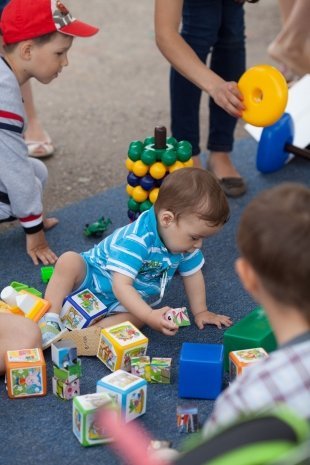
(40, 148)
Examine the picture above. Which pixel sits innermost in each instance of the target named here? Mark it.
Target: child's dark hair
(193, 191)
(41, 40)
(274, 236)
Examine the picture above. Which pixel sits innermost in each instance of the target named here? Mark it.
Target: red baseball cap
(28, 19)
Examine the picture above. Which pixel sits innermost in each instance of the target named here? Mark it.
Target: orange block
(25, 373)
(239, 360)
(39, 309)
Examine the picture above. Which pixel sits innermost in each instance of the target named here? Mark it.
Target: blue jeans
(215, 26)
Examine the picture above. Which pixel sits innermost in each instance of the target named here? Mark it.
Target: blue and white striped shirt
(136, 250)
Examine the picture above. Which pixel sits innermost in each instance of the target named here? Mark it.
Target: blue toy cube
(201, 370)
(126, 390)
(82, 309)
(64, 353)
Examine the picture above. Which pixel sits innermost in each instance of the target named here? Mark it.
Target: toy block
(201, 370)
(179, 316)
(84, 411)
(24, 303)
(254, 330)
(127, 390)
(4, 307)
(66, 390)
(64, 353)
(119, 343)
(187, 419)
(25, 373)
(141, 366)
(24, 287)
(46, 273)
(239, 360)
(34, 307)
(70, 373)
(82, 309)
(160, 370)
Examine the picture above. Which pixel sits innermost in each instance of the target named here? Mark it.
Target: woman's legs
(291, 47)
(228, 61)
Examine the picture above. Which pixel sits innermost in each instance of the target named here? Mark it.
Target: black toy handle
(304, 153)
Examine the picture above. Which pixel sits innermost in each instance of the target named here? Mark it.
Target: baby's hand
(210, 318)
(228, 96)
(156, 320)
(38, 249)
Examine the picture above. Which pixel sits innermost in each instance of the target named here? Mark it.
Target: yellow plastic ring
(265, 94)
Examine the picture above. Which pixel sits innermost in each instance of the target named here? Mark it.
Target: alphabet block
(84, 409)
(119, 343)
(127, 390)
(25, 373)
(81, 309)
(239, 360)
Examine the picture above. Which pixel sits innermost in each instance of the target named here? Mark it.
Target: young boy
(274, 267)
(37, 35)
(138, 261)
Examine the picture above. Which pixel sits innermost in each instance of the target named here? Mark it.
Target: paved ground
(115, 90)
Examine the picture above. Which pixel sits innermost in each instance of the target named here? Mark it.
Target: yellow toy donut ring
(265, 94)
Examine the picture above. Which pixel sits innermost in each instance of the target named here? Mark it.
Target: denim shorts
(89, 283)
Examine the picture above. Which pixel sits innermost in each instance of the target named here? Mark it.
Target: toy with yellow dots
(148, 163)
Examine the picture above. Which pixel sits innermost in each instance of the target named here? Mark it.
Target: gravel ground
(115, 90)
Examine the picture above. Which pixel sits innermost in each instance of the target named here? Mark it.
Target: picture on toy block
(64, 353)
(107, 354)
(187, 419)
(135, 352)
(72, 318)
(25, 373)
(141, 366)
(81, 309)
(84, 413)
(160, 370)
(26, 382)
(179, 316)
(239, 360)
(65, 390)
(136, 403)
(125, 333)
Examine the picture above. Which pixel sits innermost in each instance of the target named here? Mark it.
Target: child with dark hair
(137, 262)
(37, 35)
(274, 267)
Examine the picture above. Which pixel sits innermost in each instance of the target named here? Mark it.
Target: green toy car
(97, 228)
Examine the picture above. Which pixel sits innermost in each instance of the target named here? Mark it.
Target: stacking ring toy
(265, 94)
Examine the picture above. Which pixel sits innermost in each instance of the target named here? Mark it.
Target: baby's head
(274, 241)
(42, 31)
(190, 207)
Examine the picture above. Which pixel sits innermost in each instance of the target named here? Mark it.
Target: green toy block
(24, 287)
(84, 410)
(254, 330)
(70, 373)
(46, 273)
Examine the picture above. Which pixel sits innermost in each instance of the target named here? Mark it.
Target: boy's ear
(25, 50)
(165, 218)
(247, 276)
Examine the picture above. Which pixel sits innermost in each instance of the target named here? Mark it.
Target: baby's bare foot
(50, 223)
